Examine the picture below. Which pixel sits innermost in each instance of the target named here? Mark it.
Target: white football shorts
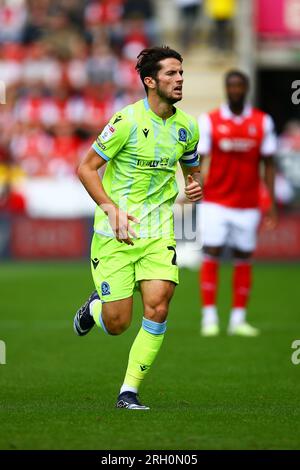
(220, 225)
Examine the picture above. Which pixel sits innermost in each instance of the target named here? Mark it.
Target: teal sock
(96, 311)
(143, 353)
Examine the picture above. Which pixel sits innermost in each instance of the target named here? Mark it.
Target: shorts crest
(105, 288)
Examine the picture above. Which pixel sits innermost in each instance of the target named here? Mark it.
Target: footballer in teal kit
(133, 238)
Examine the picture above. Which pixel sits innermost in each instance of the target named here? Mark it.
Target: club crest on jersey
(182, 135)
(223, 129)
(252, 129)
(105, 288)
(107, 132)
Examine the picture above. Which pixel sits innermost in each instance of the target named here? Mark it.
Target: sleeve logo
(182, 134)
(117, 119)
(99, 143)
(107, 132)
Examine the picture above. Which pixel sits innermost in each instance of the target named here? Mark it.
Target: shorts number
(174, 256)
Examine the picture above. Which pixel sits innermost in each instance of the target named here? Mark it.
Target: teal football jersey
(142, 152)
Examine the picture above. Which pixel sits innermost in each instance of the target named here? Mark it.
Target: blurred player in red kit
(234, 140)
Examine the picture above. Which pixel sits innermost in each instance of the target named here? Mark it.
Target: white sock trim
(238, 316)
(91, 306)
(209, 315)
(127, 388)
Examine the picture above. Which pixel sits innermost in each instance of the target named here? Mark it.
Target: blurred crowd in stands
(67, 65)
(220, 15)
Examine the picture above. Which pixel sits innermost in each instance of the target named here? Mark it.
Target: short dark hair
(148, 61)
(237, 73)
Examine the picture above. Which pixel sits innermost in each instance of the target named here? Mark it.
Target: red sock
(208, 278)
(241, 283)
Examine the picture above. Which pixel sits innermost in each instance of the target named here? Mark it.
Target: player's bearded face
(169, 81)
(236, 91)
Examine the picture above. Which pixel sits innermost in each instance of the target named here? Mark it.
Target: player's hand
(193, 190)
(119, 222)
(270, 219)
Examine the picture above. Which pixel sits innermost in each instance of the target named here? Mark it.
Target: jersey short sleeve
(269, 143)
(113, 137)
(190, 156)
(205, 143)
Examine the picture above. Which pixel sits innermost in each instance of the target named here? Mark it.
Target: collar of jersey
(155, 116)
(226, 113)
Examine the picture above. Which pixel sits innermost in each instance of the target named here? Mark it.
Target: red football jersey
(235, 144)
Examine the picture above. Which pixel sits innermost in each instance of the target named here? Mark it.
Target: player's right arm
(88, 175)
(204, 145)
(267, 150)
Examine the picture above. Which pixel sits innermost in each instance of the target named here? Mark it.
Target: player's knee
(213, 250)
(117, 330)
(158, 313)
(116, 325)
(244, 255)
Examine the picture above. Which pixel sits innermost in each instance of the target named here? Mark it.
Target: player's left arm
(270, 218)
(190, 165)
(192, 178)
(268, 148)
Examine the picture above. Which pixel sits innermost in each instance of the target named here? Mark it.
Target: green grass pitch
(58, 391)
